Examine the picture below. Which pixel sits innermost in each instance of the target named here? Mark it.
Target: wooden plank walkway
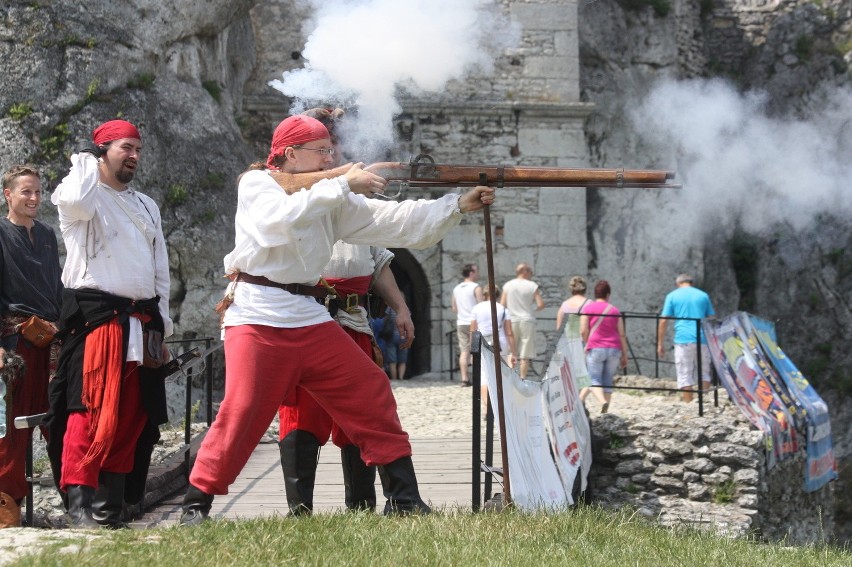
(443, 472)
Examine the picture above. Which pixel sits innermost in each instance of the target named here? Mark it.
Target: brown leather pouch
(37, 331)
(10, 512)
(153, 347)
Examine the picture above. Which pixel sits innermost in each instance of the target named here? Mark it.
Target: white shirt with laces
(105, 249)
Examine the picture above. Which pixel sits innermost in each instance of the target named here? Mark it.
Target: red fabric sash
(345, 286)
(102, 372)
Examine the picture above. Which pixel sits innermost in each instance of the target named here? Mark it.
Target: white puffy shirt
(289, 239)
(105, 249)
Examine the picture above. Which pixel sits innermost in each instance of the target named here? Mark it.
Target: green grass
(589, 537)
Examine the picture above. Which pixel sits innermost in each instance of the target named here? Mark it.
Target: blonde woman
(573, 305)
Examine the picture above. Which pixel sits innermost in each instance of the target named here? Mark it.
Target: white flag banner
(567, 422)
(535, 481)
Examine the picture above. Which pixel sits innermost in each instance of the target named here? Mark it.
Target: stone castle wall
(657, 455)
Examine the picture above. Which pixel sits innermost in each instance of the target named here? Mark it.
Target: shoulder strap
(599, 321)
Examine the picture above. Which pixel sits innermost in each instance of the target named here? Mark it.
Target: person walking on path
(602, 329)
(277, 332)
(482, 322)
(30, 287)
(686, 303)
(521, 296)
(572, 306)
(465, 296)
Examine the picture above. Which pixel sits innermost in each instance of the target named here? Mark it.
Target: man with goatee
(115, 313)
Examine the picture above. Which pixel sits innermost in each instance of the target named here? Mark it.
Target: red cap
(114, 130)
(293, 131)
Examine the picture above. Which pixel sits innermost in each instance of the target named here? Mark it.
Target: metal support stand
(476, 357)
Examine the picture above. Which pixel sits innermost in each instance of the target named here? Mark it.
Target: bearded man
(115, 312)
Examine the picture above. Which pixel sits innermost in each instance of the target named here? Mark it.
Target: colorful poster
(744, 378)
(534, 479)
(821, 464)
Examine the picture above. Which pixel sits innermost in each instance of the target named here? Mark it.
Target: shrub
(20, 110)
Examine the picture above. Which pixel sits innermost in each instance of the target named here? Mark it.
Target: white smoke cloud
(739, 165)
(359, 53)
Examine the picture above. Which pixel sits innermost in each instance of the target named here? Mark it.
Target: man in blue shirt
(686, 303)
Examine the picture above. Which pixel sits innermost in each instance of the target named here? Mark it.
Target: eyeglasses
(322, 151)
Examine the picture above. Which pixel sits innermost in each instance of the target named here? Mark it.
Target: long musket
(423, 172)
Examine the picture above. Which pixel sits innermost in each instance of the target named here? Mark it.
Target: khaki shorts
(464, 337)
(686, 363)
(524, 332)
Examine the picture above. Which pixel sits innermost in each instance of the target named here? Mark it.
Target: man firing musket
(422, 172)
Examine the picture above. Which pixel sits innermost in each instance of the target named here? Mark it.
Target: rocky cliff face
(176, 69)
(793, 53)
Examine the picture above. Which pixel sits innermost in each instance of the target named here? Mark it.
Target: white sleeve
(407, 224)
(75, 195)
(381, 258)
(273, 218)
(162, 278)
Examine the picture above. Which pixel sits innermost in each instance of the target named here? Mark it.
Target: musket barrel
(454, 175)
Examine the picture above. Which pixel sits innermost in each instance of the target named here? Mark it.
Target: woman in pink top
(602, 329)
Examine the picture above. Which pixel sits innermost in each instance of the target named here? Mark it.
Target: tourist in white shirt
(481, 322)
(521, 296)
(465, 297)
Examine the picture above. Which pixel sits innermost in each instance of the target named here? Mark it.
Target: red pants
(304, 413)
(29, 398)
(77, 441)
(264, 365)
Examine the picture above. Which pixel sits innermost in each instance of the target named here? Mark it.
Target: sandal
(466, 384)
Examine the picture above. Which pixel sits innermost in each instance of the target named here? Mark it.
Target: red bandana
(114, 130)
(293, 131)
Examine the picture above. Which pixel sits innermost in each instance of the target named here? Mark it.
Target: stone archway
(414, 285)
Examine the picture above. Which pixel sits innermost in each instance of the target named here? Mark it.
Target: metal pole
(209, 383)
(29, 475)
(450, 350)
(476, 358)
(187, 425)
(498, 371)
(657, 347)
(698, 370)
(489, 448)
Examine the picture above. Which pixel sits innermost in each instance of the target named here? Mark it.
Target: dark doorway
(415, 287)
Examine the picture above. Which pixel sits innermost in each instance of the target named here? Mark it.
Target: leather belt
(350, 302)
(298, 289)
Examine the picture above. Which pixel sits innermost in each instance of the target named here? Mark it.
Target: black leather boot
(299, 453)
(80, 507)
(108, 500)
(359, 480)
(400, 488)
(196, 507)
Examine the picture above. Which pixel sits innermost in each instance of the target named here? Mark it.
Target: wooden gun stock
(423, 172)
